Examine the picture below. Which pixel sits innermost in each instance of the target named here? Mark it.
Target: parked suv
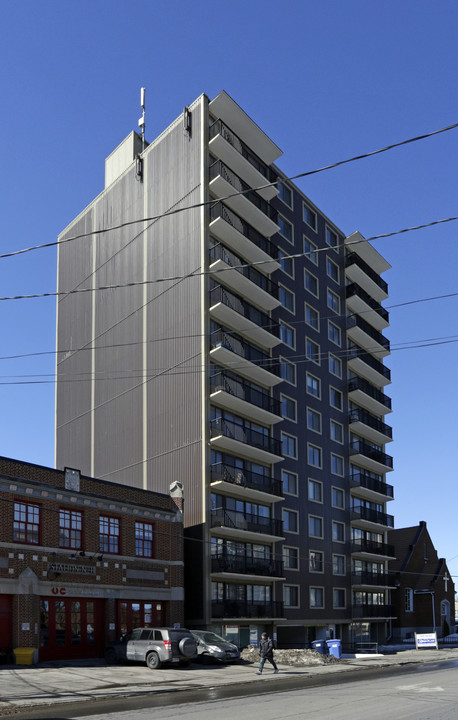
(154, 646)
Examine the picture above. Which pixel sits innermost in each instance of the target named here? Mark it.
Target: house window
(312, 317)
(312, 351)
(336, 432)
(333, 302)
(334, 333)
(143, 539)
(288, 408)
(288, 445)
(290, 522)
(338, 498)
(286, 298)
(338, 564)
(337, 465)
(311, 283)
(109, 535)
(285, 194)
(408, 599)
(289, 481)
(286, 229)
(316, 595)
(338, 531)
(313, 420)
(331, 238)
(26, 525)
(70, 529)
(314, 455)
(286, 263)
(338, 598)
(332, 270)
(291, 595)
(316, 562)
(313, 385)
(335, 365)
(309, 216)
(315, 526)
(288, 371)
(335, 398)
(315, 491)
(287, 335)
(310, 251)
(291, 558)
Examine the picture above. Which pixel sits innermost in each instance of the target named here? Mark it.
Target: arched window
(408, 599)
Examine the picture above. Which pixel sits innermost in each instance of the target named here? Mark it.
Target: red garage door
(71, 628)
(6, 624)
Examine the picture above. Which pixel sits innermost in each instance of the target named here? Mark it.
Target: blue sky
(326, 80)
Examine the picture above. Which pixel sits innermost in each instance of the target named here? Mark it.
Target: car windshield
(209, 637)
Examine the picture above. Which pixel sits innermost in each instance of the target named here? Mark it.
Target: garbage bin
(334, 648)
(319, 646)
(24, 656)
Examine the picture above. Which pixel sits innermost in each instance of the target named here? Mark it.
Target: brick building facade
(83, 560)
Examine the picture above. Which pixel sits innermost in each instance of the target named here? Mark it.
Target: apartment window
(287, 335)
(316, 595)
(312, 317)
(286, 229)
(144, 539)
(311, 283)
(408, 600)
(291, 595)
(334, 333)
(336, 432)
(314, 455)
(315, 491)
(288, 371)
(335, 365)
(313, 385)
(309, 216)
(310, 251)
(286, 298)
(70, 529)
(289, 481)
(316, 561)
(315, 526)
(338, 565)
(338, 598)
(109, 535)
(335, 398)
(290, 558)
(290, 521)
(331, 238)
(333, 301)
(286, 263)
(338, 498)
(288, 445)
(332, 270)
(26, 523)
(337, 465)
(312, 351)
(285, 194)
(338, 531)
(313, 420)
(288, 408)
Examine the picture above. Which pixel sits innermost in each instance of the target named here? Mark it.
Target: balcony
(235, 609)
(359, 272)
(241, 396)
(373, 611)
(228, 147)
(239, 235)
(368, 518)
(225, 183)
(362, 333)
(361, 303)
(366, 365)
(369, 579)
(366, 548)
(373, 399)
(230, 309)
(244, 526)
(238, 482)
(368, 487)
(245, 565)
(241, 440)
(366, 424)
(234, 352)
(364, 454)
(244, 279)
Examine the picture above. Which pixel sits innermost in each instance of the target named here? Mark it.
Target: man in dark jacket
(266, 652)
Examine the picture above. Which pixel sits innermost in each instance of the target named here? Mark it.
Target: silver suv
(154, 646)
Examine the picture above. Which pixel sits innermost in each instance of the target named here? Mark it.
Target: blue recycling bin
(319, 646)
(334, 648)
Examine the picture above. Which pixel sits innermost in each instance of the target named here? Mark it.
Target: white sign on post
(426, 640)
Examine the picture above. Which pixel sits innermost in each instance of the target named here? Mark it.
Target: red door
(71, 628)
(6, 625)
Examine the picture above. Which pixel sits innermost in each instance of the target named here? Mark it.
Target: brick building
(424, 598)
(83, 560)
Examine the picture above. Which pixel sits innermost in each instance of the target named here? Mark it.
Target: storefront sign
(426, 640)
(72, 568)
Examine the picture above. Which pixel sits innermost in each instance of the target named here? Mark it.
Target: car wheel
(206, 659)
(152, 661)
(187, 647)
(110, 656)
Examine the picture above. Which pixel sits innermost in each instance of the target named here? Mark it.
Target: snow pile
(295, 657)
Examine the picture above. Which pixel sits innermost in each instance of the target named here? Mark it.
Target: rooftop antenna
(141, 122)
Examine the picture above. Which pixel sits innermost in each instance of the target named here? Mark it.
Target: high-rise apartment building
(239, 350)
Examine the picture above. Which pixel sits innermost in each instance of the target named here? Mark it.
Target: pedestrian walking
(266, 652)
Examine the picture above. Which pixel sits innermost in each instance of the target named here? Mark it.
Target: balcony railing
(356, 321)
(366, 418)
(219, 210)
(246, 565)
(243, 434)
(368, 389)
(220, 169)
(372, 611)
(239, 609)
(354, 259)
(364, 448)
(245, 478)
(374, 516)
(219, 294)
(234, 385)
(354, 289)
(235, 520)
(372, 547)
(234, 343)
(219, 128)
(369, 578)
(219, 252)
(370, 483)
(354, 351)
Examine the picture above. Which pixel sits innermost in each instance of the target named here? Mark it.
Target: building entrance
(6, 625)
(133, 614)
(71, 627)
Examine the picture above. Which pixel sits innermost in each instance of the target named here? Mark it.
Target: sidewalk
(51, 683)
